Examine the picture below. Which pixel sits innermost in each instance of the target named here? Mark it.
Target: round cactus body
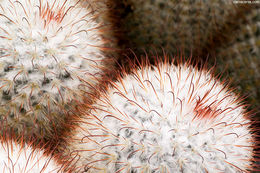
(46, 49)
(165, 118)
(16, 157)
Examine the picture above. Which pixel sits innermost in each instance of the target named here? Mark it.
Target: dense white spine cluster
(165, 118)
(47, 47)
(22, 158)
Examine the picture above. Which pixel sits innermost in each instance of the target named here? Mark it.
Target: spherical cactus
(47, 49)
(16, 155)
(165, 118)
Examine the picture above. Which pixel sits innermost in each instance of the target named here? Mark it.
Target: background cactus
(47, 49)
(165, 118)
(240, 56)
(174, 25)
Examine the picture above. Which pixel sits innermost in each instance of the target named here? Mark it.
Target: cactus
(225, 32)
(165, 118)
(241, 55)
(17, 155)
(47, 49)
(186, 24)
(18, 158)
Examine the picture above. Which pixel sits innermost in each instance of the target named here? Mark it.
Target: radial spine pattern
(47, 47)
(166, 118)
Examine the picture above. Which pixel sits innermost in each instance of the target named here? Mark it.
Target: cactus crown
(166, 118)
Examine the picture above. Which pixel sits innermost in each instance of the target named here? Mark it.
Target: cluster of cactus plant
(166, 117)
